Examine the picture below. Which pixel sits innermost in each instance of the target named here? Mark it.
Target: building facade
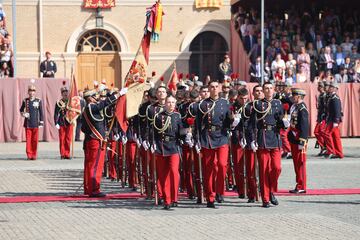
(194, 39)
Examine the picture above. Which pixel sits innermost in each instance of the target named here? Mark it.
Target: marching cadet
(333, 120)
(298, 137)
(131, 151)
(48, 67)
(238, 144)
(167, 126)
(149, 98)
(204, 92)
(148, 143)
(61, 123)
(320, 120)
(94, 126)
(213, 121)
(31, 110)
(267, 119)
(257, 93)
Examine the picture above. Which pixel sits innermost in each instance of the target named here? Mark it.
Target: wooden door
(98, 66)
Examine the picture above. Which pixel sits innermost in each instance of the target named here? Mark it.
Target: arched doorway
(98, 59)
(207, 52)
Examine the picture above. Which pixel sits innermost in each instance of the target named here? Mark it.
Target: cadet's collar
(268, 100)
(214, 100)
(32, 98)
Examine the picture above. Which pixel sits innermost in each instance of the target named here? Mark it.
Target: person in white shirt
(277, 63)
(347, 45)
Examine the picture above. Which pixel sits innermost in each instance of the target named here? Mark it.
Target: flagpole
(74, 123)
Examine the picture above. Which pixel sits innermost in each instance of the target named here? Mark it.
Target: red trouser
(131, 162)
(65, 136)
(215, 161)
(168, 174)
(187, 170)
(250, 173)
(319, 133)
(238, 160)
(111, 158)
(299, 159)
(269, 171)
(93, 165)
(198, 180)
(148, 172)
(284, 140)
(32, 138)
(333, 140)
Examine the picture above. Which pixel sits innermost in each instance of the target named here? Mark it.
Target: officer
(167, 126)
(213, 121)
(48, 67)
(31, 110)
(298, 137)
(320, 120)
(238, 143)
(94, 126)
(257, 93)
(61, 123)
(267, 119)
(333, 120)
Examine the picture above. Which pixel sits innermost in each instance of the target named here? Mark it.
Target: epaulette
(302, 107)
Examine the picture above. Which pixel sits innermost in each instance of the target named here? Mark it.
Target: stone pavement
(297, 217)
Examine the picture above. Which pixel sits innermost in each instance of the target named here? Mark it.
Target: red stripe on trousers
(93, 166)
(32, 139)
(299, 160)
(333, 140)
(131, 162)
(187, 170)
(319, 133)
(215, 161)
(168, 171)
(65, 136)
(269, 171)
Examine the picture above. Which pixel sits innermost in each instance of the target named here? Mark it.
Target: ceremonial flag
(173, 81)
(135, 79)
(73, 107)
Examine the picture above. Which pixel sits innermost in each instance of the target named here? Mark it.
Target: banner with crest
(99, 3)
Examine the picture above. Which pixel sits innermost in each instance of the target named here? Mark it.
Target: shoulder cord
(244, 111)
(208, 110)
(166, 125)
(96, 119)
(265, 112)
(190, 113)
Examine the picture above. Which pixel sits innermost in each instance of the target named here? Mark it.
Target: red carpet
(28, 199)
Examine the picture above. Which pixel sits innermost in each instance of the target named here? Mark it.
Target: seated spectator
(347, 64)
(279, 75)
(354, 54)
(333, 45)
(298, 43)
(319, 43)
(328, 36)
(341, 77)
(276, 64)
(245, 27)
(313, 61)
(347, 45)
(290, 76)
(4, 70)
(284, 47)
(328, 76)
(339, 56)
(301, 77)
(303, 61)
(255, 71)
(291, 63)
(326, 60)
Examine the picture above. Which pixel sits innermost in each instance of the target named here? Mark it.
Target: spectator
(290, 76)
(48, 67)
(339, 57)
(276, 64)
(313, 60)
(298, 43)
(354, 54)
(319, 43)
(347, 45)
(2, 15)
(4, 70)
(291, 63)
(327, 60)
(255, 71)
(245, 27)
(279, 76)
(302, 76)
(255, 51)
(341, 77)
(249, 41)
(348, 65)
(303, 61)
(333, 45)
(328, 36)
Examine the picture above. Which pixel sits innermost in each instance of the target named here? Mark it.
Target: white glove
(57, 126)
(41, 124)
(286, 122)
(102, 87)
(116, 137)
(123, 91)
(145, 145)
(138, 143)
(124, 140)
(236, 121)
(254, 146)
(335, 125)
(153, 148)
(26, 115)
(243, 143)
(301, 147)
(188, 138)
(198, 148)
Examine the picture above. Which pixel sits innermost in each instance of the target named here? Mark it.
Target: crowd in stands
(302, 44)
(6, 53)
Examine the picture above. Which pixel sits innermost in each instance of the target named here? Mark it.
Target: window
(97, 41)
(208, 50)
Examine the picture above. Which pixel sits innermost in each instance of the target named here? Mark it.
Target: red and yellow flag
(74, 105)
(173, 81)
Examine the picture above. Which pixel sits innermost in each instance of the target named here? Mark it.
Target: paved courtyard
(297, 217)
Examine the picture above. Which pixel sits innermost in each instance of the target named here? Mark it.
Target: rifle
(231, 162)
(200, 170)
(138, 160)
(155, 173)
(123, 179)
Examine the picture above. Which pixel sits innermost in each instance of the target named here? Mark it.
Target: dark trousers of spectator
(78, 128)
